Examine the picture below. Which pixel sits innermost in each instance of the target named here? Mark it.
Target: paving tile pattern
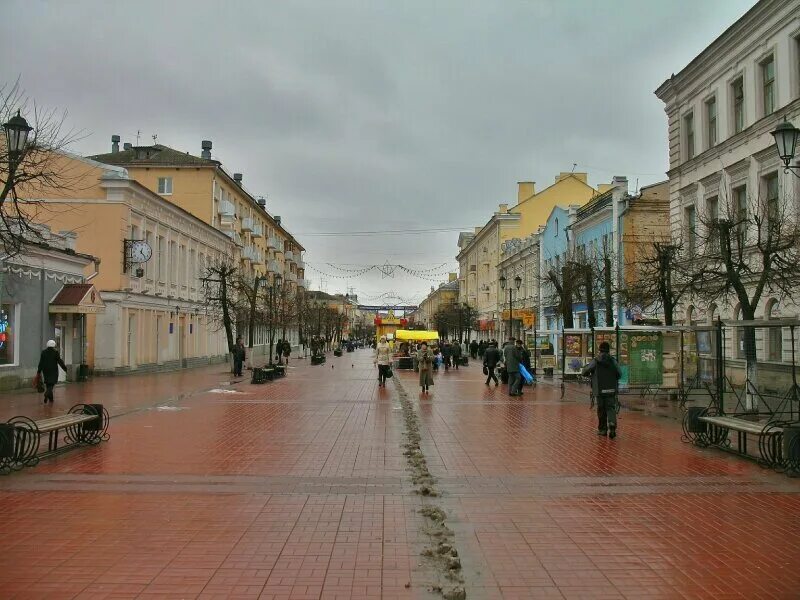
(299, 489)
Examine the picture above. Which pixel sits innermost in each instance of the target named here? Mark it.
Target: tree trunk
(252, 321)
(751, 360)
(588, 284)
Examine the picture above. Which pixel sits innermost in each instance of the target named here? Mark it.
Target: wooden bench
(769, 435)
(84, 424)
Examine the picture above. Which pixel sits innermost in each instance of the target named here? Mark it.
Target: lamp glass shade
(786, 136)
(17, 130)
(503, 282)
(518, 281)
(277, 279)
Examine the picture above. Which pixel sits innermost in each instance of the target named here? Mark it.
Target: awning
(77, 298)
(416, 335)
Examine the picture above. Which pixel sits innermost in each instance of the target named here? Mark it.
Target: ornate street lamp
(517, 284)
(17, 130)
(786, 136)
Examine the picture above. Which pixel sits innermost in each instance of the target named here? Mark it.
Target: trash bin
(83, 372)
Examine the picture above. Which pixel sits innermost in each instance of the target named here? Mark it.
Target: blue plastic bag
(525, 374)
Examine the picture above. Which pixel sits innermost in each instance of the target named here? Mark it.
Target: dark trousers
(48, 391)
(237, 366)
(382, 370)
(492, 375)
(606, 411)
(514, 383)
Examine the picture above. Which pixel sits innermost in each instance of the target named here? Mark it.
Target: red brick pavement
(298, 489)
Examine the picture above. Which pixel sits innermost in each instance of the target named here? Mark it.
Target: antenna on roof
(574, 166)
(155, 137)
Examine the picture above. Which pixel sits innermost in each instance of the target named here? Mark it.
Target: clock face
(140, 251)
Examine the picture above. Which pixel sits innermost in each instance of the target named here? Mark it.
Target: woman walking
(425, 362)
(383, 358)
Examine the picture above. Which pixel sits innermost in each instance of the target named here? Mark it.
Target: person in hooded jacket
(49, 361)
(605, 374)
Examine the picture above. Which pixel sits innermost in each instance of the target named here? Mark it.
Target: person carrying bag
(605, 374)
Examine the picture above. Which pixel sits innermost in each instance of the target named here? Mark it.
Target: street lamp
(517, 284)
(786, 136)
(17, 130)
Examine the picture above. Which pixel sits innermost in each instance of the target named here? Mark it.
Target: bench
(262, 375)
(769, 435)
(280, 370)
(20, 437)
(317, 359)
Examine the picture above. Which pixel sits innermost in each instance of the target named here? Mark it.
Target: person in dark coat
(526, 361)
(455, 351)
(287, 350)
(511, 356)
(447, 352)
(473, 349)
(49, 362)
(491, 356)
(605, 374)
(238, 357)
(482, 345)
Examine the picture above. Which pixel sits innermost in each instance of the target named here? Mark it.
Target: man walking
(238, 357)
(491, 356)
(456, 352)
(512, 356)
(49, 361)
(473, 349)
(605, 374)
(447, 352)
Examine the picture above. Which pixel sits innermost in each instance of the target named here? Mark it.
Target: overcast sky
(371, 115)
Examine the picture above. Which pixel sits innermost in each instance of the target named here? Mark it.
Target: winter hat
(51, 343)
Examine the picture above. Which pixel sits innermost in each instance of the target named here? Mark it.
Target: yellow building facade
(202, 187)
(444, 295)
(480, 250)
(155, 321)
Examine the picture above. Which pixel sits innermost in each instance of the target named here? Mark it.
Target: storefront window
(7, 334)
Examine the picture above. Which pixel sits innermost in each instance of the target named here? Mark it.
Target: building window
(148, 266)
(173, 260)
(740, 211)
(7, 334)
(768, 82)
(771, 192)
(712, 215)
(711, 119)
(162, 259)
(688, 126)
(775, 334)
(690, 220)
(737, 92)
(165, 186)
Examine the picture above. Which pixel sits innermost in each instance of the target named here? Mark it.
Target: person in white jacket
(383, 358)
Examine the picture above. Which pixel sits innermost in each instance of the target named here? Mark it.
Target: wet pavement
(300, 488)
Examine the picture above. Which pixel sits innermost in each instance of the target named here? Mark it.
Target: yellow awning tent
(416, 336)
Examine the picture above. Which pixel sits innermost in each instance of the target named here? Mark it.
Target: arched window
(690, 316)
(774, 334)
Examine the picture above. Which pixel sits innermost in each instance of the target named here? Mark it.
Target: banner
(645, 358)
(526, 315)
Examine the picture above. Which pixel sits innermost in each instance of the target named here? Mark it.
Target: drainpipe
(96, 271)
(84, 368)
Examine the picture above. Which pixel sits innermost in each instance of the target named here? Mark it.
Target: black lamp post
(517, 284)
(17, 130)
(786, 136)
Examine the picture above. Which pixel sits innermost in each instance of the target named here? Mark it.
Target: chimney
(451, 277)
(237, 177)
(127, 146)
(620, 181)
(525, 189)
(114, 144)
(262, 202)
(277, 219)
(503, 209)
(206, 146)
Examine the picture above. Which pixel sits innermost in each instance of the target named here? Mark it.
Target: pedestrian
(49, 361)
(511, 357)
(383, 358)
(473, 349)
(456, 354)
(425, 363)
(491, 356)
(287, 350)
(447, 353)
(482, 345)
(605, 374)
(239, 355)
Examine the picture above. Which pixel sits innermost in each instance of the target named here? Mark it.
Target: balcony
(258, 257)
(272, 242)
(273, 267)
(247, 224)
(258, 230)
(303, 283)
(298, 260)
(289, 255)
(227, 213)
(277, 244)
(236, 237)
(289, 276)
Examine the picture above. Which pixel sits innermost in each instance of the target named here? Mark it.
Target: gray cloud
(368, 115)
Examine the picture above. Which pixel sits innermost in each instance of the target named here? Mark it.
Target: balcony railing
(273, 266)
(236, 237)
(258, 230)
(289, 255)
(272, 242)
(277, 244)
(289, 276)
(247, 224)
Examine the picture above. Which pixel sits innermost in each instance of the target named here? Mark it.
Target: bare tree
(220, 295)
(661, 275)
(750, 249)
(36, 171)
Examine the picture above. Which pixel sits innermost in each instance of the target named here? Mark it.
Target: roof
(155, 155)
(80, 298)
(450, 285)
(595, 204)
